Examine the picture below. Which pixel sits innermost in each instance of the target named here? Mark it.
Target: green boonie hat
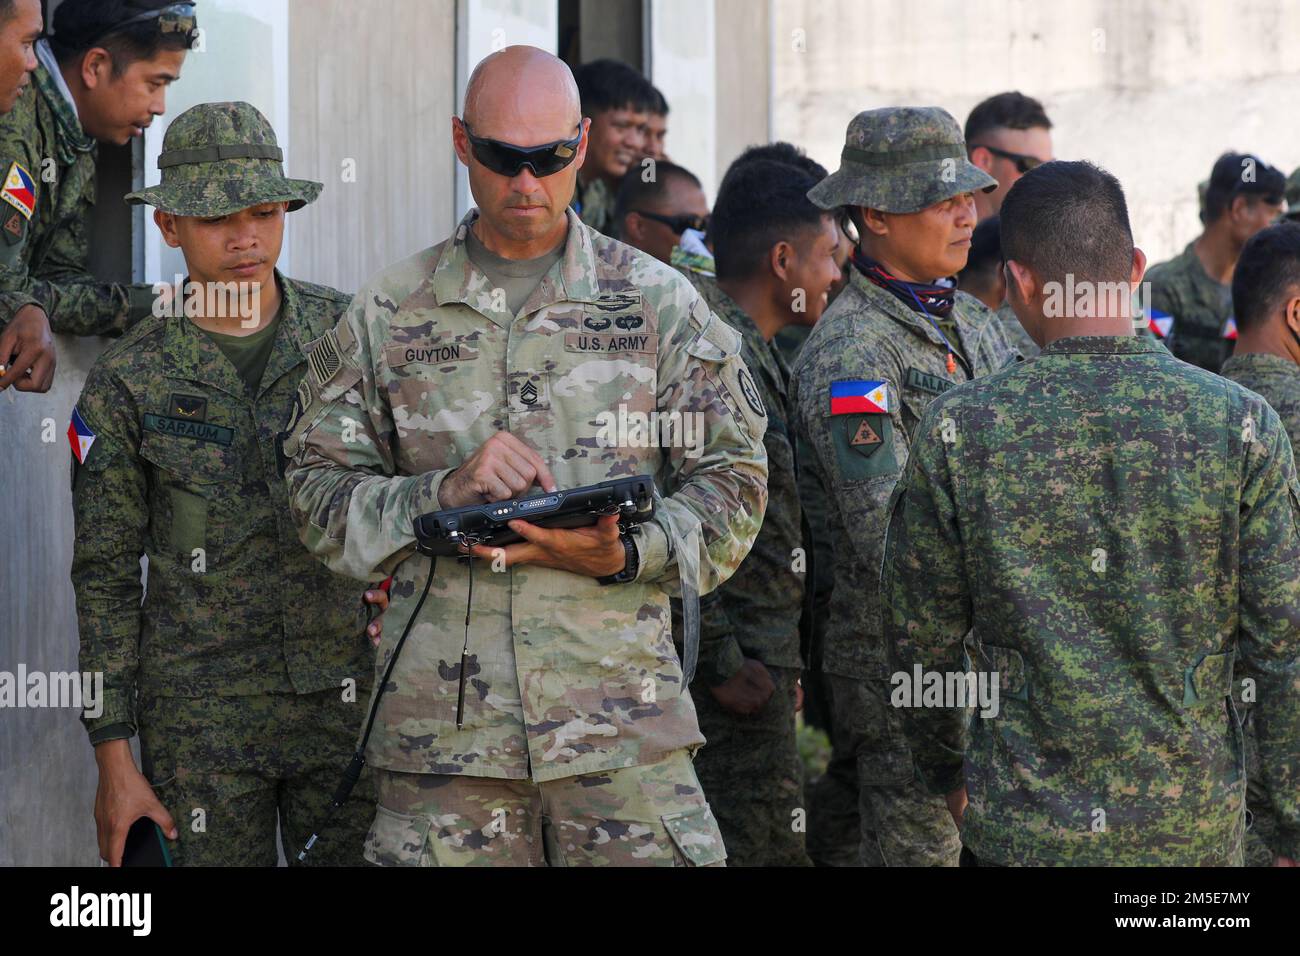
(901, 159)
(220, 158)
(1293, 195)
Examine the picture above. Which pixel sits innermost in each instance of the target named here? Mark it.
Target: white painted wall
(483, 27)
(1153, 90)
(245, 56)
(682, 65)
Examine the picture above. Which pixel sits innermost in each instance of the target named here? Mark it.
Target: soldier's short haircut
(78, 25)
(611, 85)
(6, 10)
(659, 104)
(985, 255)
(1241, 174)
(1267, 273)
(1011, 110)
(760, 203)
(634, 193)
(1068, 218)
(781, 152)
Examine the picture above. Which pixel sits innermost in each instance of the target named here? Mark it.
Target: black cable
(353, 772)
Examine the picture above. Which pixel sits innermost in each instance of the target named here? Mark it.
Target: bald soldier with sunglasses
(487, 368)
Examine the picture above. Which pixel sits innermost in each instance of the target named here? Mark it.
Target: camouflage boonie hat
(901, 159)
(220, 158)
(1293, 195)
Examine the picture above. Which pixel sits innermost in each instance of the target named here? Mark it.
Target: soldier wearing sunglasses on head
(481, 370)
(102, 77)
(1007, 135)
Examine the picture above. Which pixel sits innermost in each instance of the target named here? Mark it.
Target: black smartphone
(145, 845)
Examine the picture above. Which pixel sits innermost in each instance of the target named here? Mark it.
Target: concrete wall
(1153, 90)
(743, 64)
(372, 92)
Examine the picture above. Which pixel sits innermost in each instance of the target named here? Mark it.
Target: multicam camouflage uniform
(750, 766)
(248, 657)
(870, 335)
(1277, 380)
(1121, 530)
(576, 690)
(44, 242)
(1200, 306)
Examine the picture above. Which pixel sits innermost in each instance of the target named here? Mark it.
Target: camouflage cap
(1293, 194)
(219, 158)
(901, 159)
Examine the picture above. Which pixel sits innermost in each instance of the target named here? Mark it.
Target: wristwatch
(631, 566)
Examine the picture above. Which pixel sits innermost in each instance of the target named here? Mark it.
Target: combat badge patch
(15, 228)
(190, 407)
(20, 191)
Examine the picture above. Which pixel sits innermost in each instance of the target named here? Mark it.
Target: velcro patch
(325, 359)
(20, 191)
(609, 342)
(179, 428)
(399, 355)
(15, 228)
(192, 408)
(925, 382)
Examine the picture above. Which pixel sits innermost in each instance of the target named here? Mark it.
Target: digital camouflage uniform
(1122, 531)
(575, 688)
(868, 334)
(245, 671)
(44, 245)
(1277, 380)
(1016, 335)
(834, 823)
(750, 765)
(1200, 307)
(594, 204)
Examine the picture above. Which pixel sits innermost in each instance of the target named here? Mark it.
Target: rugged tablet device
(441, 532)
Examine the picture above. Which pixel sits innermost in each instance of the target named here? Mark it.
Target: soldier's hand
(27, 344)
(377, 598)
(594, 552)
(502, 467)
(747, 691)
(956, 801)
(123, 796)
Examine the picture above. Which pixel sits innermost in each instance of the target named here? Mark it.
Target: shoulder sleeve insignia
(20, 191)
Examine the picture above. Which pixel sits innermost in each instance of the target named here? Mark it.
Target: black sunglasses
(678, 224)
(507, 159)
(1023, 163)
(173, 18)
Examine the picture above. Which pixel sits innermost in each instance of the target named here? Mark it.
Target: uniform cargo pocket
(396, 839)
(696, 836)
(1208, 680)
(1009, 665)
(885, 768)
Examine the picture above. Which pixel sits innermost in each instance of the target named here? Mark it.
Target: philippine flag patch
(80, 437)
(1160, 323)
(1230, 329)
(871, 397)
(20, 191)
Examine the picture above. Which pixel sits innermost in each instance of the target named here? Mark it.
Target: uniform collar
(190, 353)
(48, 81)
(572, 279)
(730, 311)
(1104, 345)
(1265, 361)
(882, 300)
